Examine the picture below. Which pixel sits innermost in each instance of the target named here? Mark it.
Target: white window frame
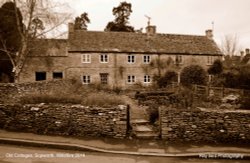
(147, 79)
(86, 58)
(86, 81)
(177, 59)
(146, 59)
(130, 60)
(104, 58)
(210, 60)
(131, 79)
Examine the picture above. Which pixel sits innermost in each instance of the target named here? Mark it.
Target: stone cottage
(117, 59)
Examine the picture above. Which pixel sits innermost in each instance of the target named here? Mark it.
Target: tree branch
(8, 53)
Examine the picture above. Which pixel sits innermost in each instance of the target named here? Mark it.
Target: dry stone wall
(11, 92)
(204, 125)
(58, 119)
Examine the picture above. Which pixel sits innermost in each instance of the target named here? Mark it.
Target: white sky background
(175, 16)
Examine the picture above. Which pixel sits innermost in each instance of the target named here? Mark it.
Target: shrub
(168, 78)
(193, 74)
(230, 80)
(216, 68)
(182, 99)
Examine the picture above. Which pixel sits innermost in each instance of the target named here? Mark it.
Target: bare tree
(40, 17)
(230, 45)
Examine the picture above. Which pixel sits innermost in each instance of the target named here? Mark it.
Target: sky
(225, 17)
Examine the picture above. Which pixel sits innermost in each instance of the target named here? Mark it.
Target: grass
(101, 99)
(50, 98)
(73, 92)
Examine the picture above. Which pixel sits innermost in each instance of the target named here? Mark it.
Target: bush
(182, 99)
(216, 68)
(230, 80)
(168, 78)
(193, 74)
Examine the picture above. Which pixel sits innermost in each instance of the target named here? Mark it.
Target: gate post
(160, 127)
(128, 119)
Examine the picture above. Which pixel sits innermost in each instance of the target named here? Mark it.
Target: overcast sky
(230, 17)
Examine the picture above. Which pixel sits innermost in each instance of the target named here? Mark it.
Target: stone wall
(204, 125)
(57, 119)
(11, 92)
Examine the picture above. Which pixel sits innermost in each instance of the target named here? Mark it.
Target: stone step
(151, 135)
(142, 128)
(139, 121)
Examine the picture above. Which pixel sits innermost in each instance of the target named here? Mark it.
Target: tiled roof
(49, 47)
(92, 41)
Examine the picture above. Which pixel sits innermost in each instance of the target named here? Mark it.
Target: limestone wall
(11, 92)
(58, 119)
(204, 125)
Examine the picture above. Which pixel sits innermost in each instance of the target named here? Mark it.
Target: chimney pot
(209, 33)
(241, 54)
(247, 51)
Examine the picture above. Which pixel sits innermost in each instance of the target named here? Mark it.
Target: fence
(200, 90)
(216, 91)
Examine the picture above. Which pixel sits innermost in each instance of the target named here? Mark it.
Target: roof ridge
(137, 33)
(141, 42)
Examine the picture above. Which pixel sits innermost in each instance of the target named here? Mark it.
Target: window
(40, 76)
(210, 60)
(146, 59)
(131, 79)
(86, 79)
(178, 59)
(104, 58)
(57, 75)
(147, 79)
(131, 58)
(104, 78)
(86, 58)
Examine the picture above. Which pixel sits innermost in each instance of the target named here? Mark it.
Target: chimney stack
(151, 29)
(71, 27)
(242, 54)
(209, 34)
(247, 51)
